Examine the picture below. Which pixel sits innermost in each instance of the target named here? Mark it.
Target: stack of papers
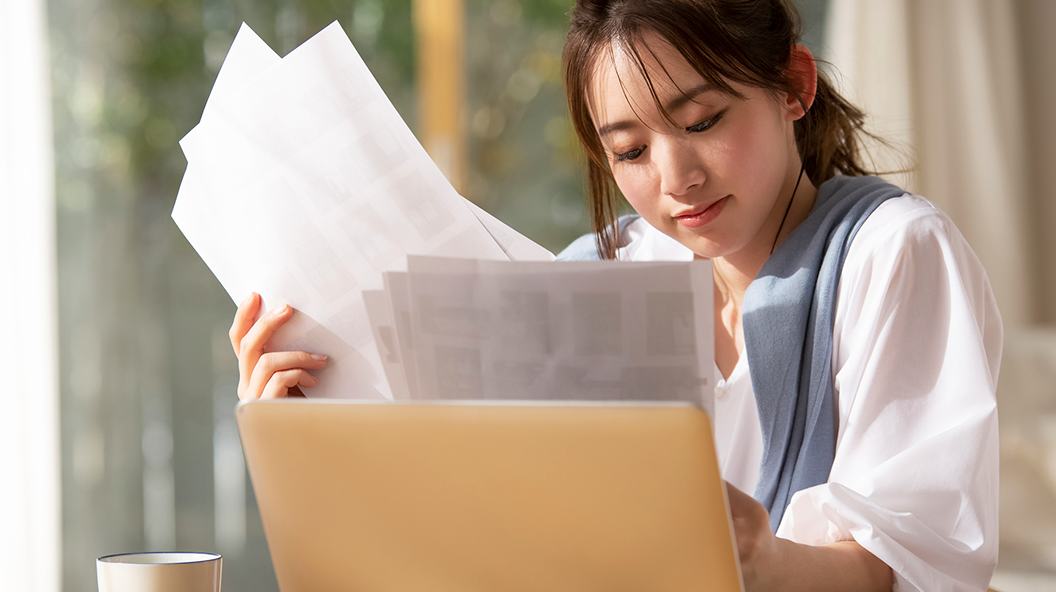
(304, 184)
(583, 331)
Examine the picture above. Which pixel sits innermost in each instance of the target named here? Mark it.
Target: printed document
(305, 185)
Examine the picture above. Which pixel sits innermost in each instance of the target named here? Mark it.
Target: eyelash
(693, 129)
(705, 125)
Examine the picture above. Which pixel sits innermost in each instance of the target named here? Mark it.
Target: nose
(679, 166)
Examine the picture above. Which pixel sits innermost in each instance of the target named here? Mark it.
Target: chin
(716, 243)
(703, 249)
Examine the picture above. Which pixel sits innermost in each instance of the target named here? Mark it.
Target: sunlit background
(128, 396)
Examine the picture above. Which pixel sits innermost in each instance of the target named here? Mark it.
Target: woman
(858, 405)
(856, 335)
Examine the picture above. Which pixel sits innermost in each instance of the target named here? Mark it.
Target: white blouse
(916, 351)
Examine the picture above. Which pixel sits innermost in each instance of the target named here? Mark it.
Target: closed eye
(706, 124)
(693, 129)
(630, 154)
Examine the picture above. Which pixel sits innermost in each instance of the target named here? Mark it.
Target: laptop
(489, 496)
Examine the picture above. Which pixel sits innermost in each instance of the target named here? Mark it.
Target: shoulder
(639, 240)
(909, 234)
(902, 219)
(913, 305)
(585, 248)
(910, 261)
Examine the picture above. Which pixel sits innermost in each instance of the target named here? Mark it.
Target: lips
(701, 216)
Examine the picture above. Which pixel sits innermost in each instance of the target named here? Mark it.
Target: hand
(264, 374)
(757, 545)
(771, 563)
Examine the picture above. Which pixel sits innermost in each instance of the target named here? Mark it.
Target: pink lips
(698, 218)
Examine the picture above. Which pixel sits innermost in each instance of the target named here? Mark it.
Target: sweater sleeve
(915, 363)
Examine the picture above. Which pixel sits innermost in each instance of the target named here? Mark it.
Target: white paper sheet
(572, 331)
(516, 246)
(305, 185)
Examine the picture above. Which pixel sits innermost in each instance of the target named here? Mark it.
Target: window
(150, 455)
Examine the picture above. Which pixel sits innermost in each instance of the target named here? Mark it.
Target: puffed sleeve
(915, 359)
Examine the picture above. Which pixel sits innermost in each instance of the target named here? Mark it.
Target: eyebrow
(672, 105)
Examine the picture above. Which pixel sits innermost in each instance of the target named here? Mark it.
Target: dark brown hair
(745, 41)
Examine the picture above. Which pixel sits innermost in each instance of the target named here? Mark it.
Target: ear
(803, 74)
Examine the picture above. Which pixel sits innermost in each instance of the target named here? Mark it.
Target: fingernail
(248, 299)
(319, 357)
(279, 310)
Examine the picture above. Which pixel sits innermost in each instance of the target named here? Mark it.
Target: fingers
(738, 499)
(277, 371)
(750, 519)
(751, 524)
(244, 316)
(744, 506)
(281, 382)
(253, 344)
(265, 374)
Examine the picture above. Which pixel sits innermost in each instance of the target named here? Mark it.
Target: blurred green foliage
(143, 323)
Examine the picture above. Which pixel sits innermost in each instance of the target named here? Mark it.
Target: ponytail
(828, 136)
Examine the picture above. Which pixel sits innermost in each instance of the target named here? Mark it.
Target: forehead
(623, 81)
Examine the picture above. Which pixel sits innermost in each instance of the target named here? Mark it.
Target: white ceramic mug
(159, 572)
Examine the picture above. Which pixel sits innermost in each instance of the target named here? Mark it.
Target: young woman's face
(719, 180)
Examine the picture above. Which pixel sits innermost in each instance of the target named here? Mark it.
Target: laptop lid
(466, 496)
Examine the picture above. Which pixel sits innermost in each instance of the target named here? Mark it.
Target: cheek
(756, 157)
(744, 150)
(641, 190)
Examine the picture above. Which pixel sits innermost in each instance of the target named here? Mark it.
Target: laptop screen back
(509, 497)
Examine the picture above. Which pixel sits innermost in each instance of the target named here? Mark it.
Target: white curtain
(943, 80)
(29, 420)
